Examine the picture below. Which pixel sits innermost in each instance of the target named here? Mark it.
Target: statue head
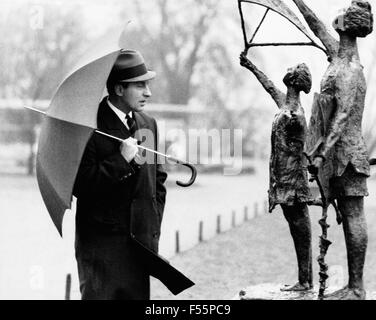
(356, 20)
(299, 77)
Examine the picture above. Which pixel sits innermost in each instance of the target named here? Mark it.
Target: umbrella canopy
(65, 132)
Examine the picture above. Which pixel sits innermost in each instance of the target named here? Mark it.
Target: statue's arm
(345, 97)
(277, 95)
(318, 27)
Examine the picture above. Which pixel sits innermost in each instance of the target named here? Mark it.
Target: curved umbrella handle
(188, 165)
(183, 163)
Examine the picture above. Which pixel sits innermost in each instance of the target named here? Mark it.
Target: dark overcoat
(117, 203)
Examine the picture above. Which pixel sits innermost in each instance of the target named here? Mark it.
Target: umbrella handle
(188, 165)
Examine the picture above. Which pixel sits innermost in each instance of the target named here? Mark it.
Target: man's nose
(147, 92)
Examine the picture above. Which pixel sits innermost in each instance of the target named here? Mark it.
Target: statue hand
(316, 166)
(294, 116)
(244, 61)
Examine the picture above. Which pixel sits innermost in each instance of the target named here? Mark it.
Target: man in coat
(120, 198)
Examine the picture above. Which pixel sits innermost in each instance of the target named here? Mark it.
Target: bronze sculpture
(288, 167)
(340, 155)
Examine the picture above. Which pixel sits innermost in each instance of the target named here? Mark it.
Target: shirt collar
(118, 112)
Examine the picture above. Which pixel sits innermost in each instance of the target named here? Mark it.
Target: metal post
(218, 224)
(256, 210)
(233, 219)
(246, 213)
(68, 284)
(200, 231)
(177, 247)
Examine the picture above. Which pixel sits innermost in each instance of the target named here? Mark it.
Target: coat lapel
(109, 122)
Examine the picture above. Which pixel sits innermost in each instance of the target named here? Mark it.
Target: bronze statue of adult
(288, 167)
(342, 160)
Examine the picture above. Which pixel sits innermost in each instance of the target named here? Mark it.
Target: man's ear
(118, 88)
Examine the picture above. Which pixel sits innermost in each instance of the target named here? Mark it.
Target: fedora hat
(130, 67)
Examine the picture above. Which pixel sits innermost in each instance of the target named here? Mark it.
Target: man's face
(135, 95)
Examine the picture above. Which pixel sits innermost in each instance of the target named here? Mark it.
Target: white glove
(128, 149)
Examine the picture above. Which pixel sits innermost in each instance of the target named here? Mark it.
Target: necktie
(131, 124)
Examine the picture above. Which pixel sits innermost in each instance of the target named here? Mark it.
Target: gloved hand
(128, 149)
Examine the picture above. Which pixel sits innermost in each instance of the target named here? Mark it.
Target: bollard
(245, 213)
(266, 209)
(218, 224)
(200, 231)
(233, 219)
(256, 210)
(177, 247)
(68, 284)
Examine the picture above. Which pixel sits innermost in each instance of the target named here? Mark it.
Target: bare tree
(39, 56)
(36, 56)
(174, 44)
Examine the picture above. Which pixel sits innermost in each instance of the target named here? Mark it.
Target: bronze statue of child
(288, 165)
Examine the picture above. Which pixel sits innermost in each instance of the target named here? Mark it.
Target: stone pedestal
(271, 291)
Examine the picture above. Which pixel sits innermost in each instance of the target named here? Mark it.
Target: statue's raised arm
(278, 96)
(318, 28)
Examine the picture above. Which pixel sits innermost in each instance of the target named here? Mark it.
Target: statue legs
(300, 228)
(355, 230)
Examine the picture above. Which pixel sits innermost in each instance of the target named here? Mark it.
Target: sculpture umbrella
(282, 9)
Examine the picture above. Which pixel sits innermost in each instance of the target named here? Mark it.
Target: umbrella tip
(34, 109)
